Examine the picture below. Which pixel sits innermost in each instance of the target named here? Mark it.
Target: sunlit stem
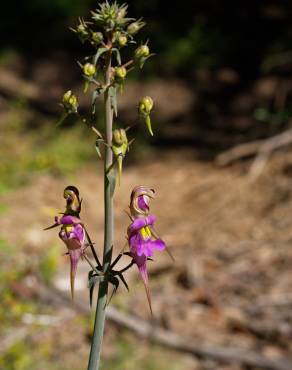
(95, 351)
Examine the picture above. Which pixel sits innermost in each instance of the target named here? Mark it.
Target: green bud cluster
(108, 31)
(70, 102)
(111, 16)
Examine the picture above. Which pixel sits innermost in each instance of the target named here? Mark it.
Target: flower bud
(116, 34)
(120, 137)
(121, 13)
(121, 72)
(70, 101)
(122, 40)
(120, 147)
(145, 105)
(142, 52)
(97, 37)
(81, 29)
(134, 27)
(89, 70)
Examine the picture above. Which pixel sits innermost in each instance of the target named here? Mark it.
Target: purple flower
(73, 235)
(142, 238)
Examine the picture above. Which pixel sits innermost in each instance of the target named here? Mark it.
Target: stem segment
(94, 358)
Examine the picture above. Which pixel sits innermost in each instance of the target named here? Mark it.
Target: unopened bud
(145, 105)
(120, 147)
(120, 137)
(135, 27)
(70, 101)
(89, 69)
(97, 37)
(116, 34)
(81, 28)
(122, 40)
(142, 52)
(121, 72)
(122, 12)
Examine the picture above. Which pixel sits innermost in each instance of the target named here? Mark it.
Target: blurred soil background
(221, 78)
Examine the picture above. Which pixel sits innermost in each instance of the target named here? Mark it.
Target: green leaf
(143, 60)
(62, 118)
(118, 55)
(97, 148)
(99, 52)
(95, 95)
(93, 100)
(113, 96)
(124, 282)
(116, 283)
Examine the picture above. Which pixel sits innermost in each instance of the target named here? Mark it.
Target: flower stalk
(98, 330)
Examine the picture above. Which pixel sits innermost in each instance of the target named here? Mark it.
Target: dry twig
(262, 148)
(149, 331)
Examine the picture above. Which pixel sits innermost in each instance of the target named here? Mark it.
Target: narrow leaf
(116, 283)
(93, 100)
(97, 148)
(118, 55)
(99, 52)
(124, 282)
(92, 280)
(62, 118)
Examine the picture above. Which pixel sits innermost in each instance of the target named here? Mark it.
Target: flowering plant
(104, 73)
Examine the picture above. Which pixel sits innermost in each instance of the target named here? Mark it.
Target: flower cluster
(142, 237)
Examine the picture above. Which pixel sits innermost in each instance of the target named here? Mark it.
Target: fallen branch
(265, 151)
(171, 340)
(238, 152)
(149, 331)
(267, 301)
(262, 149)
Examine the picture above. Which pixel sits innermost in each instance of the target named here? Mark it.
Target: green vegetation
(49, 263)
(26, 152)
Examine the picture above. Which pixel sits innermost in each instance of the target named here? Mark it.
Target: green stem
(94, 358)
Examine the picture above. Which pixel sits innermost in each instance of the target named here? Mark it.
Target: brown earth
(231, 280)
